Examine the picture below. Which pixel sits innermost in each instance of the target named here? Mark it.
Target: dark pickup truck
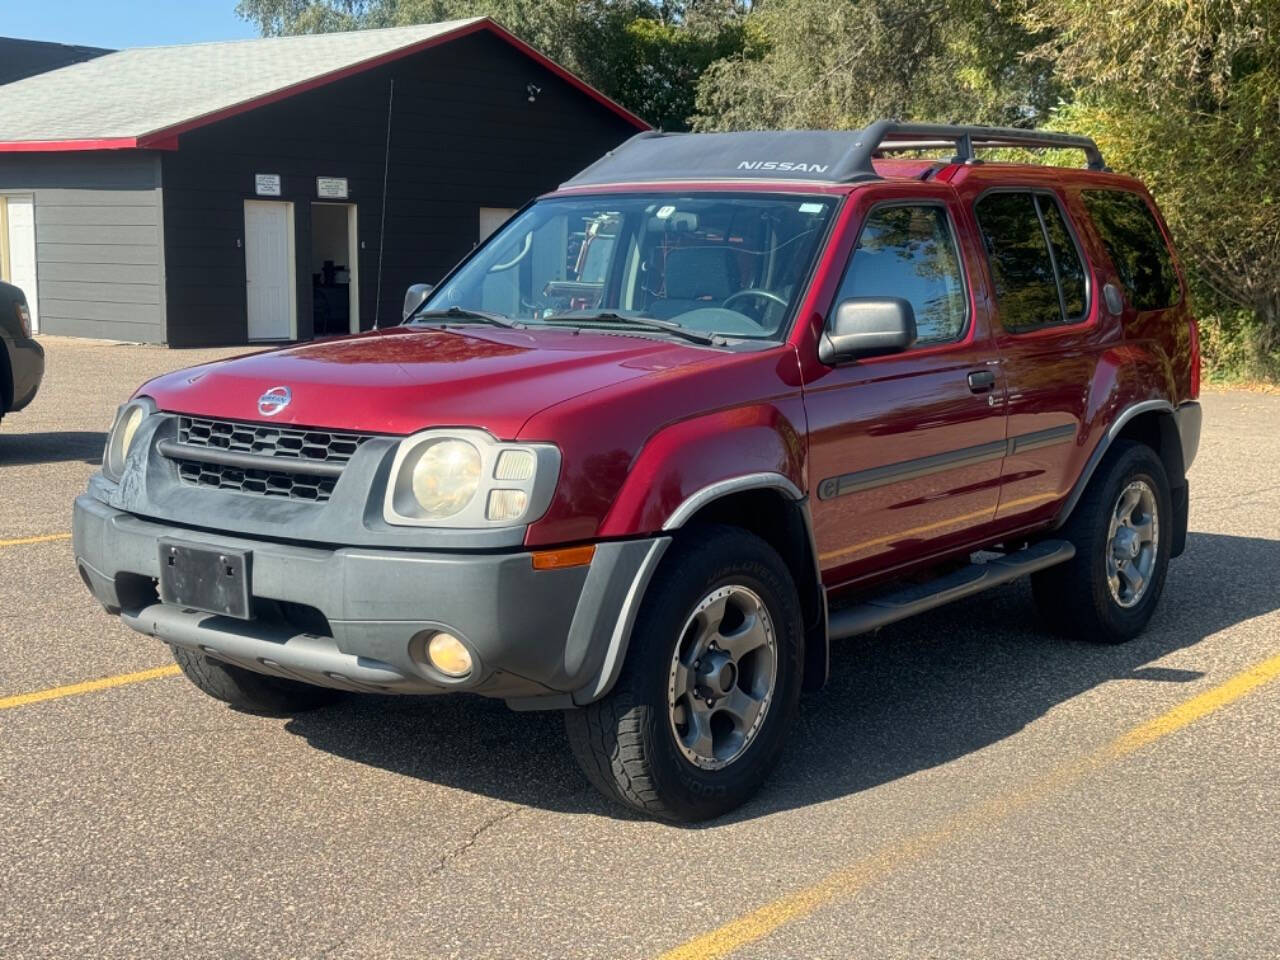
(718, 401)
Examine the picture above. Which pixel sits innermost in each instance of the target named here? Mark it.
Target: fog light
(448, 655)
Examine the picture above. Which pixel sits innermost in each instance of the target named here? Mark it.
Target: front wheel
(709, 690)
(248, 691)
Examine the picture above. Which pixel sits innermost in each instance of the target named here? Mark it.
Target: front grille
(280, 448)
(269, 441)
(264, 483)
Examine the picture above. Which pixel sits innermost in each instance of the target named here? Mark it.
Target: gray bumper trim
(533, 633)
(266, 649)
(1189, 418)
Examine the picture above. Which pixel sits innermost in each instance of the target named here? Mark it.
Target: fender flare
(817, 651)
(816, 646)
(722, 488)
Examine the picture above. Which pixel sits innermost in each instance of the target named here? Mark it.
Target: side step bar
(918, 598)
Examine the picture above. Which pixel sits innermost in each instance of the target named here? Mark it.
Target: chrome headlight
(445, 477)
(465, 478)
(123, 432)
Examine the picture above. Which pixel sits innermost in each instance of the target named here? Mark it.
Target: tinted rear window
(1026, 288)
(1136, 245)
(1070, 269)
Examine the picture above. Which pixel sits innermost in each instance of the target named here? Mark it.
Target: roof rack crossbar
(887, 136)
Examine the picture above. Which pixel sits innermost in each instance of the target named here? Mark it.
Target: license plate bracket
(212, 579)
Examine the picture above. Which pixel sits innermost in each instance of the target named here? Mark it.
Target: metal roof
(145, 96)
(827, 156)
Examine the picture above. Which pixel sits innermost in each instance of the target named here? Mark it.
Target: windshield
(707, 263)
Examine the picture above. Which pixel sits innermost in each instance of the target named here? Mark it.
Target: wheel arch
(773, 508)
(1152, 423)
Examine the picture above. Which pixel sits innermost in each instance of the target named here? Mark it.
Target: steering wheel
(754, 292)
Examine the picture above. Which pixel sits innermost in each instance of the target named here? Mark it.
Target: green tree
(842, 63)
(1186, 96)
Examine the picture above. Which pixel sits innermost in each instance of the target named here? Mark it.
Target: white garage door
(20, 265)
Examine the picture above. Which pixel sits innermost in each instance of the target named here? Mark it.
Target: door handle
(980, 381)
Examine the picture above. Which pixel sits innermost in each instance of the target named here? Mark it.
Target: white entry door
(269, 270)
(20, 244)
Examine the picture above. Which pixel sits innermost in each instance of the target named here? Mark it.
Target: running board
(918, 598)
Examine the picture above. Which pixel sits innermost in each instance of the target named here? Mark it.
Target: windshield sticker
(810, 208)
(664, 212)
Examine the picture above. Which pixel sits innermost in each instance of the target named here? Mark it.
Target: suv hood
(410, 378)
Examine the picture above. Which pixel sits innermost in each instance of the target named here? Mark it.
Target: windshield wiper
(643, 323)
(466, 313)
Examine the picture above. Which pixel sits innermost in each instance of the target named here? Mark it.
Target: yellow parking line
(764, 920)
(89, 686)
(44, 538)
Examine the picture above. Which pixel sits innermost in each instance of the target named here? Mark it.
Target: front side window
(711, 263)
(1035, 264)
(909, 252)
(1136, 245)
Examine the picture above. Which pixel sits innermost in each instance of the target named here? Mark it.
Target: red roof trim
(45, 146)
(166, 137)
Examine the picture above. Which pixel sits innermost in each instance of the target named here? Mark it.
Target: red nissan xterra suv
(718, 401)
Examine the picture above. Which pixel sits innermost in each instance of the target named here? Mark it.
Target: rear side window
(1035, 263)
(1136, 245)
(909, 252)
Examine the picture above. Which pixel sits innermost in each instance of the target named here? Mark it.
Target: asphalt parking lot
(969, 785)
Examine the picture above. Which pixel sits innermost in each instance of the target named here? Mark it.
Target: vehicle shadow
(55, 446)
(913, 696)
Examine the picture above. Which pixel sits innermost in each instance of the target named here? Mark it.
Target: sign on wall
(331, 188)
(266, 184)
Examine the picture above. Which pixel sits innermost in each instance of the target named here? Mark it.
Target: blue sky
(122, 23)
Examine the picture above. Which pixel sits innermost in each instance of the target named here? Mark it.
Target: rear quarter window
(1038, 273)
(1137, 247)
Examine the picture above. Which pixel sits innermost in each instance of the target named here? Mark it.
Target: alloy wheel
(1132, 543)
(722, 676)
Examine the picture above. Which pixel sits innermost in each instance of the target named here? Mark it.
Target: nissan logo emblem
(273, 401)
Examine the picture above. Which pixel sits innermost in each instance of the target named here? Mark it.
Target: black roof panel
(829, 156)
(751, 155)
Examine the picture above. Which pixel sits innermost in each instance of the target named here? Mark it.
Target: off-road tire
(624, 742)
(1074, 596)
(252, 692)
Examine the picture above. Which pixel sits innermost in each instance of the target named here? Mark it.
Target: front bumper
(346, 617)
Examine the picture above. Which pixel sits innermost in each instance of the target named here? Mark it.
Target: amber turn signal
(566, 557)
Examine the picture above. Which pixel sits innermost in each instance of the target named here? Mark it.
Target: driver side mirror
(414, 297)
(867, 327)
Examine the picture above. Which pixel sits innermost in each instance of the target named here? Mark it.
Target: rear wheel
(249, 691)
(1121, 529)
(708, 694)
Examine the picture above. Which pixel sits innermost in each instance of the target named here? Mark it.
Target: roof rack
(894, 135)
(826, 156)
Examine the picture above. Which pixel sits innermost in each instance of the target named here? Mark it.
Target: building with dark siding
(20, 59)
(226, 193)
